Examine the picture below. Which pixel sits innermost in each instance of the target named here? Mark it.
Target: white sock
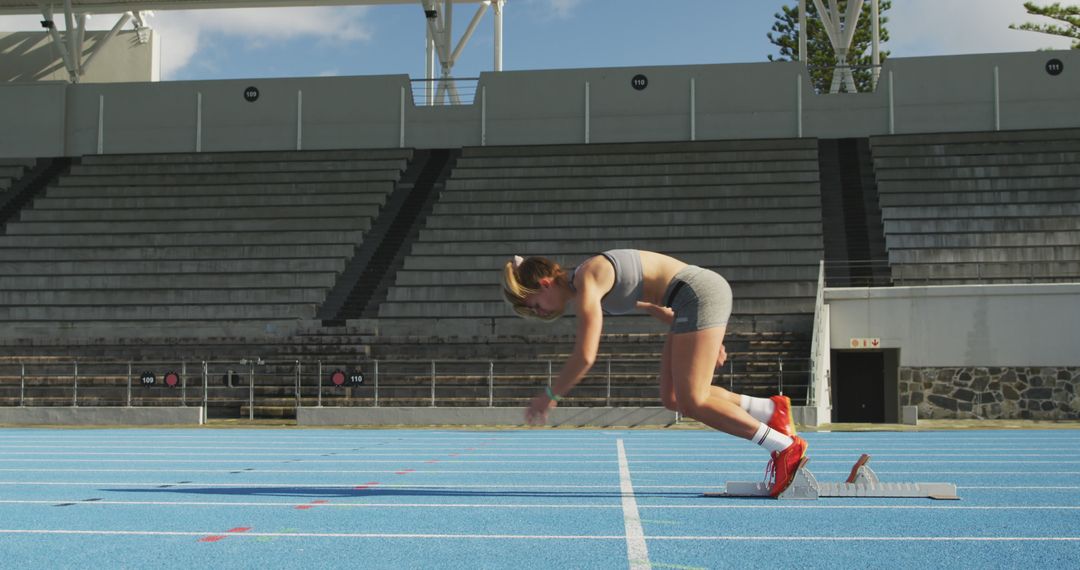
(760, 408)
(771, 439)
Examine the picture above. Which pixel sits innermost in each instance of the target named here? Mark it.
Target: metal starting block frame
(862, 482)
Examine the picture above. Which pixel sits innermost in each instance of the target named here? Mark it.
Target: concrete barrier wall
(559, 417)
(102, 416)
(730, 101)
(958, 326)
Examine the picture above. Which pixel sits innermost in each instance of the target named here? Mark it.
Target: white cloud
(181, 31)
(946, 27)
(563, 8)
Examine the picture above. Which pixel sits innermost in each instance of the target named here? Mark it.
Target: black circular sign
(172, 379)
(356, 378)
(1055, 67)
(337, 377)
(639, 82)
(148, 379)
(251, 94)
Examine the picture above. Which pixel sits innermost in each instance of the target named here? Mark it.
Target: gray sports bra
(629, 281)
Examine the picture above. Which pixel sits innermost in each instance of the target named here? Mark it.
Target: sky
(538, 34)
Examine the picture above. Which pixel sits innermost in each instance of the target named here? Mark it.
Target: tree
(1069, 15)
(821, 57)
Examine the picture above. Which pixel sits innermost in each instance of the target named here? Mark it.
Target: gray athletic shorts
(700, 298)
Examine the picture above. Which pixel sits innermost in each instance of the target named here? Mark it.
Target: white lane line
(637, 552)
(554, 506)
(550, 537)
(286, 485)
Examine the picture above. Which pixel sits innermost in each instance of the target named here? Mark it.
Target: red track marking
(367, 485)
(303, 507)
(312, 504)
(404, 472)
(217, 537)
(432, 461)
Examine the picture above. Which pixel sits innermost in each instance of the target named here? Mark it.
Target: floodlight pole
(802, 32)
(499, 34)
(875, 46)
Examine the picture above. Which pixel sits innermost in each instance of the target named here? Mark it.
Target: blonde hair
(523, 280)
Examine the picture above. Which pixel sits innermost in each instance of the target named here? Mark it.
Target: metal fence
(237, 387)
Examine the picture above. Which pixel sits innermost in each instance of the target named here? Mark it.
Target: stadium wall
(703, 102)
(987, 351)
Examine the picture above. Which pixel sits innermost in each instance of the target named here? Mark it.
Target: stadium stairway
(993, 207)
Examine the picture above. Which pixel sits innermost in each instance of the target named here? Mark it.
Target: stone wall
(1047, 393)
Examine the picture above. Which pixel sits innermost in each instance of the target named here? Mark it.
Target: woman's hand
(721, 358)
(536, 413)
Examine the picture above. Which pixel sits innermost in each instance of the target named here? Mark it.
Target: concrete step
(193, 201)
(122, 297)
(146, 281)
(213, 190)
(1023, 271)
(632, 181)
(980, 184)
(648, 169)
(132, 335)
(977, 137)
(480, 293)
(146, 215)
(1071, 169)
(981, 211)
(229, 168)
(219, 252)
(734, 274)
(979, 240)
(58, 268)
(150, 240)
(617, 219)
(637, 158)
(657, 204)
(439, 310)
(1064, 195)
(718, 259)
(977, 149)
(639, 148)
(978, 160)
(638, 233)
(610, 194)
(510, 248)
(258, 156)
(12, 171)
(1063, 253)
(347, 223)
(979, 225)
(18, 162)
(236, 178)
(159, 312)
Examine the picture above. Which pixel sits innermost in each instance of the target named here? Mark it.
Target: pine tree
(1069, 15)
(822, 58)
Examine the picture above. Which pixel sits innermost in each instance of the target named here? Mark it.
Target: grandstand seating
(195, 244)
(995, 207)
(748, 209)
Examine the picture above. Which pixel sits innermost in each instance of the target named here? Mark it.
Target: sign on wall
(865, 343)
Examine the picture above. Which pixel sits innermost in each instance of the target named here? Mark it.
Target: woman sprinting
(696, 302)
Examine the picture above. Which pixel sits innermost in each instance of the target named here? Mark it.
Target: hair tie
(518, 260)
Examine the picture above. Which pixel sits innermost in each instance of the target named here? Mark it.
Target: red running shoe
(785, 464)
(781, 417)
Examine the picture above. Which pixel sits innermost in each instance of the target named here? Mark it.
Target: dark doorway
(859, 386)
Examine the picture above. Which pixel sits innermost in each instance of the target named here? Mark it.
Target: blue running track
(323, 499)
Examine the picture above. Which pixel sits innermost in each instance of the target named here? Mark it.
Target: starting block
(862, 482)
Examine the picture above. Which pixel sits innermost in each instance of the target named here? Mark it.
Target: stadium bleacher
(993, 207)
(200, 244)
